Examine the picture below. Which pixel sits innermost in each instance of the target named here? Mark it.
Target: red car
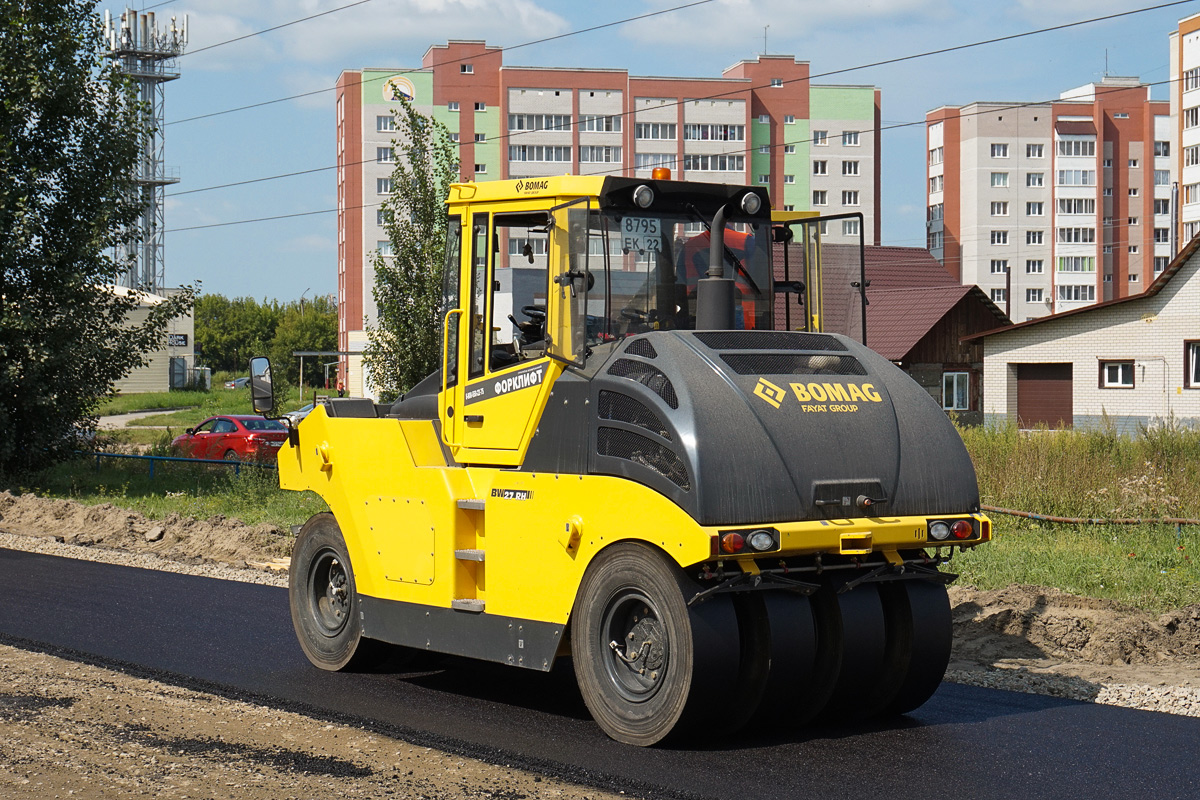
(233, 437)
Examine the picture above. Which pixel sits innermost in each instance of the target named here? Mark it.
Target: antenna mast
(147, 54)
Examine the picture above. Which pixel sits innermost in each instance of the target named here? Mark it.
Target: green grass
(192, 490)
(1090, 474)
(197, 406)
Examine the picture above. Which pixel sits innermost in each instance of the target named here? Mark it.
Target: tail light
(732, 543)
(962, 529)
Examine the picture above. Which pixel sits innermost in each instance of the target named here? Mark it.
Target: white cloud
(383, 30)
(1039, 11)
(739, 23)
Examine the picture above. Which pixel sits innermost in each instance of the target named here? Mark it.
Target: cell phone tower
(147, 55)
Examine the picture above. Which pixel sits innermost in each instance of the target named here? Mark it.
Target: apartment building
(1052, 206)
(1185, 121)
(761, 122)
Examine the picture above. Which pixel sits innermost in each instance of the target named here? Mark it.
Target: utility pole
(765, 39)
(142, 51)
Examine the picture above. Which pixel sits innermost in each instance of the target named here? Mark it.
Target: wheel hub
(638, 650)
(329, 593)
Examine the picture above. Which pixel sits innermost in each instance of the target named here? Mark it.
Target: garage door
(1044, 395)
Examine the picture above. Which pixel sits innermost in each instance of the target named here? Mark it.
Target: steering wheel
(535, 313)
(634, 315)
(534, 330)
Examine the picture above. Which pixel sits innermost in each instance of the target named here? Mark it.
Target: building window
(1077, 235)
(936, 155)
(1134, 277)
(602, 123)
(849, 167)
(1133, 162)
(655, 130)
(764, 118)
(789, 149)
(999, 179)
(934, 240)
(599, 154)
(1160, 263)
(1033, 295)
(1120, 115)
(1191, 155)
(1076, 177)
(776, 82)
(764, 179)
(820, 138)
(1035, 179)
(538, 152)
(936, 211)
(1000, 150)
(480, 106)
(1077, 294)
(789, 119)
(1162, 207)
(999, 237)
(384, 248)
(849, 198)
(714, 163)
(764, 149)
(714, 133)
(481, 169)
(999, 295)
(1192, 362)
(1162, 177)
(1000, 209)
(999, 266)
(454, 137)
(936, 183)
(1191, 79)
(452, 105)
(384, 124)
(787, 207)
(1034, 151)
(1034, 237)
(1077, 205)
(1034, 266)
(956, 391)
(1133, 191)
(1035, 209)
(1191, 118)
(383, 186)
(381, 217)
(466, 69)
(1107, 192)
(1106, 163)
(1162, 235)
(820, 198)
(820, 168)
(1076, 263)
(1077, 147)
(652, 160)
(789, 178)
(385, 155)
(1134, 221)
(850, 227)
(850, 138)
(1116, 374)
(1133, 248)
(481, 137)
(1191, 194)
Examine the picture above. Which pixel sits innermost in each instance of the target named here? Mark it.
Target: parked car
(238, 383)
(299, 414)
(233, 437)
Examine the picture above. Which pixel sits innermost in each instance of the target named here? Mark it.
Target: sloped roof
(899, 318)
(903, 267)
(1151, 290)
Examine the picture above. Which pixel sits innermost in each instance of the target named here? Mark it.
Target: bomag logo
(529, 187)
(817, 397)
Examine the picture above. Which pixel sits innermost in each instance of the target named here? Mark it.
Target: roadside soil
(70, 729)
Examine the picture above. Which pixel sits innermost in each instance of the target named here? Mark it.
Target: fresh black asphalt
(236, 639)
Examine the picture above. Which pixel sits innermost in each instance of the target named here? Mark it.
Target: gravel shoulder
(72, 729)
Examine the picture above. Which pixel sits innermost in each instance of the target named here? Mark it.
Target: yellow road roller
(623, 460)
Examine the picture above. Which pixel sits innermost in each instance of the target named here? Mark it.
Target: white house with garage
(1134, 360)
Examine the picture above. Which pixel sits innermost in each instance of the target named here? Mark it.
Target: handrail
(237, 465)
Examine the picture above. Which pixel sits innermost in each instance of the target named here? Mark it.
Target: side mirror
(190, 431)
(262, 393)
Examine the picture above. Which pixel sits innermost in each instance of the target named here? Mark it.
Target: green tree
(70, 134)
(404, 341)
(303, 325)
(229, 332)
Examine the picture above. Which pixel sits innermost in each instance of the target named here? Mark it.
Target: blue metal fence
(237, 465)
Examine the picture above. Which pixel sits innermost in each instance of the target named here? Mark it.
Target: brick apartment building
(761, 122)
(1054, 206)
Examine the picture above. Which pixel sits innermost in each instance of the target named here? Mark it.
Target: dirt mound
(1028, 622)
(219, 539)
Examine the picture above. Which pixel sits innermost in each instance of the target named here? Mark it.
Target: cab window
(521, 254)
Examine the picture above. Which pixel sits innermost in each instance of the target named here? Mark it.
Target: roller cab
(623, 458)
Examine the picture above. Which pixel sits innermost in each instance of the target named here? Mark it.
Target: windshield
(646, 266)
(263, 425)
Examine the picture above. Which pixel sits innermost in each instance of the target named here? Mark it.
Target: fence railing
(237, 465)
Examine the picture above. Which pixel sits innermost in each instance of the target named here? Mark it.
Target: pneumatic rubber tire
(670, 659)
(230, 455)
(323, 598)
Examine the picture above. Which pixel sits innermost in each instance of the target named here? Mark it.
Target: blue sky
(284, 259)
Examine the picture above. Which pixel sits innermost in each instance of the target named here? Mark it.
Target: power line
(747, 150)
(442, 63)
(276, 27)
